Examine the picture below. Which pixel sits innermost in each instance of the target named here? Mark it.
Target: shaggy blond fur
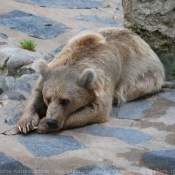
(107, 65)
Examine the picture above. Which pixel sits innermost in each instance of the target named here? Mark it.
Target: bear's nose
(52, 124)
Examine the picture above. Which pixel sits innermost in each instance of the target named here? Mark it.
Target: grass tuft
(108, 5)
(27, 44)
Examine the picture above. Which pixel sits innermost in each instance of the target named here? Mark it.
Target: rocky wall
(154, 21)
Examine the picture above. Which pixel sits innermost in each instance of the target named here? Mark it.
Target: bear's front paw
(27, 123)
(42, 127)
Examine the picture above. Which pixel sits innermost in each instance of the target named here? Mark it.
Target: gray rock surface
(51, 145)
(66, 4)
(9, 165)
(12, 95)
(164, 160)
(16, 62)
(95, 170)
(135, 109)
(3, 36)
(153, 20)
(4, 56)
(36, 26)
(96, 19)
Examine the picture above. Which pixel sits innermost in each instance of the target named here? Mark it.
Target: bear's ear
(43, 68)
(87, 78)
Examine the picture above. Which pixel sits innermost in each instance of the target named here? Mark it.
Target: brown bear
(95, 69)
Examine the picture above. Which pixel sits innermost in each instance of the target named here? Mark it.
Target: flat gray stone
(10, 82)
(96, 19)
(23, 85)
(49, 144)
(15, 63)
(66, 4)
(96, 170)
(4, 56)
(168, 93)
(3, 43)
(3, 36)
(10, 113)
(6, 83)
(36, 26)
(12, 95)
(9, 165)
(31, 79)
(163, 161)
(56, 51)
(135, 109)
(3, 85)
(130, 136)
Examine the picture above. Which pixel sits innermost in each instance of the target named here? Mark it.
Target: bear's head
(66, 92)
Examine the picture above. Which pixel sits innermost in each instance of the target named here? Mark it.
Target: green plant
(27, 44)
(108, 5)
(171, 69)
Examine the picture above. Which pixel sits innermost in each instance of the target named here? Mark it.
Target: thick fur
(95, 69)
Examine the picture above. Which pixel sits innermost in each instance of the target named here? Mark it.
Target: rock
(31, 79)
(96, 170)
(135, 109)
(16, 62)
(9, 165)
(39, 27)
(56, 51)
(96, 19)
(130, 136)
(3, 36)
(6, 83)
(10, 83)
(66, 4)
(22, 85)
(163, 160)
(11, 110)
(3, 43)
(153, 20)
(4, 56)
(3, 86)
(168, 93)
(12, 95)
(51, 144)
(48, 57)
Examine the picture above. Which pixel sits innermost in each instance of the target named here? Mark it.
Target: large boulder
(154, 21)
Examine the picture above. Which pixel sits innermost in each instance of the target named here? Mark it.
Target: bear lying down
(95, 69)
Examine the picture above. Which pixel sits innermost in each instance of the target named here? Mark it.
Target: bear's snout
(52, 123)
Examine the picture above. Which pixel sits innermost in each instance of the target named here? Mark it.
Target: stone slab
(3, 43)
(49, 144)
(12, 95)
(9, 165)
(135, 109)
(168, 93)
(72, 4)
(56, 51)
(130, 136)
(33, 25)
(95, 170)
(11, 110)
(3, 36)
(163, 161)
(96, 19)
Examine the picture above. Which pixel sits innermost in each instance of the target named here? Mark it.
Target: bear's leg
(34, 110)
(94, 113)
(146, 84)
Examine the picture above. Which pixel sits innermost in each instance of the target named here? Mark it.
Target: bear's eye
(64, 102)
